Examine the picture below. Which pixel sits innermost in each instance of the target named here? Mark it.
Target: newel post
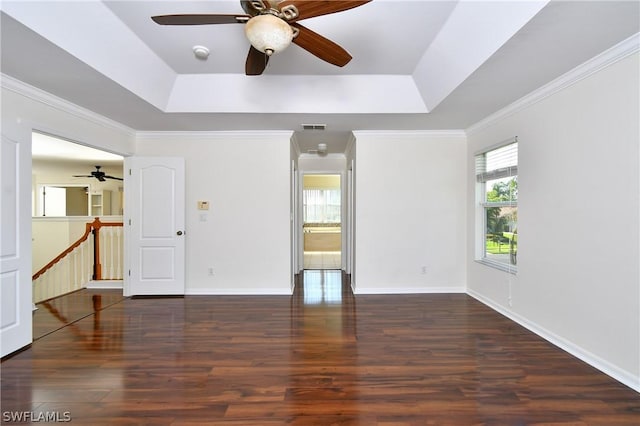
(97, 267)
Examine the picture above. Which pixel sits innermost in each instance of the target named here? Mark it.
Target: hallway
(322, 260)
(318, 357)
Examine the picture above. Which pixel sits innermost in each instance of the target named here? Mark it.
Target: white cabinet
(100, 203)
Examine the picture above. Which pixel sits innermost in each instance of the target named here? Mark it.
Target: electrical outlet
(210, 270)
(424, 270)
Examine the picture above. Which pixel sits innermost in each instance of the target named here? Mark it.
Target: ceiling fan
(271, 25)
(98, 174)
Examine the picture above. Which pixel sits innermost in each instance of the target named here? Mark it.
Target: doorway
(322, 221)
(65, 197)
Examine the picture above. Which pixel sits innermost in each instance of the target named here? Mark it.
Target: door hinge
(129, 222)
(129, 272)
(129, 172)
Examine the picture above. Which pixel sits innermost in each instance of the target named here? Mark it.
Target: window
(497, 194)
(321, 205)
(62, 200)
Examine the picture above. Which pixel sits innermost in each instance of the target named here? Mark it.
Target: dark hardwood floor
(54, 314)
(320, 357)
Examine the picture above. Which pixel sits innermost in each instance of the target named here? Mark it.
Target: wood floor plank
(319, 357)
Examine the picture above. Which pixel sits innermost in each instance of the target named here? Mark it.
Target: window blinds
(497, 163)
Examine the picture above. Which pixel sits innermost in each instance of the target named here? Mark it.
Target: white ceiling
(417, 64)
(45, 147)
(55, 156)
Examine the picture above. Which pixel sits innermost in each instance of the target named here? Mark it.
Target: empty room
(320, 212)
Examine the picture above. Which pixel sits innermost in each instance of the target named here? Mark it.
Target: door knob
(179, 233)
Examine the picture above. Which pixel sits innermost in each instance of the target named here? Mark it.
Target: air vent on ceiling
(314, 126)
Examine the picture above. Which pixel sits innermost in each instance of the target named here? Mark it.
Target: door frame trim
(344, 212)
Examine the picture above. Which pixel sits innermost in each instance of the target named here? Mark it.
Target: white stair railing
(70, 273)
(111, 244)
(97, 255)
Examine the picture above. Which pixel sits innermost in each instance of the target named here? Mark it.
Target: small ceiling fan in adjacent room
(271, 25)
(98, 174)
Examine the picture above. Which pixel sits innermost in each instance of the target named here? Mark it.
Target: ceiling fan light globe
(268, 34)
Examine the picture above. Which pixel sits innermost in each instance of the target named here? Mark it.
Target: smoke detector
(201, 52)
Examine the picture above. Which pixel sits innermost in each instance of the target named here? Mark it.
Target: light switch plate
(203, 205)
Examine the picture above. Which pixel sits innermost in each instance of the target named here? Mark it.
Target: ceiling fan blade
(83, 176)
(321, 46)
(311, 8)
(112, 177)
(256, 62)
(200, 19)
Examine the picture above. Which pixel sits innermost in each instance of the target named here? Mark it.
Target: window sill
(498, 265)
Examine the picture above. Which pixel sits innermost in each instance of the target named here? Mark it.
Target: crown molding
(23, 89)
(350, 144)
(411, 133)
(208, 135)
(610, 56)
(295, 145)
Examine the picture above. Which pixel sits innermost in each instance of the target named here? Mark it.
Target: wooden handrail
(96, 224)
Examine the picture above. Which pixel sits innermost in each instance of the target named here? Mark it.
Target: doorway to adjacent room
(322, 221)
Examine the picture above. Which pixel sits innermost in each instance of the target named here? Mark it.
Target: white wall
(34, 109)
(51, 236)
(245, 236)
(578, 279)
(331, 163)
(410, 212)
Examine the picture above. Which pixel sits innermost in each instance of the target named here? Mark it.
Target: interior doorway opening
(322, 221)
(68, 195)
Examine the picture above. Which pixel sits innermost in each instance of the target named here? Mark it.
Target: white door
(154, 222)
(15, 248)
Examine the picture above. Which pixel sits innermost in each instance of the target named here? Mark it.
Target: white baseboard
(595, 361)
(105, 284)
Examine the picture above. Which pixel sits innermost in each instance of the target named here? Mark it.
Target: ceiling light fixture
(268, 33)
(322, 148)
(201, 52)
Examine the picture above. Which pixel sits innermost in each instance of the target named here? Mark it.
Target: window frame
(482, 205)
